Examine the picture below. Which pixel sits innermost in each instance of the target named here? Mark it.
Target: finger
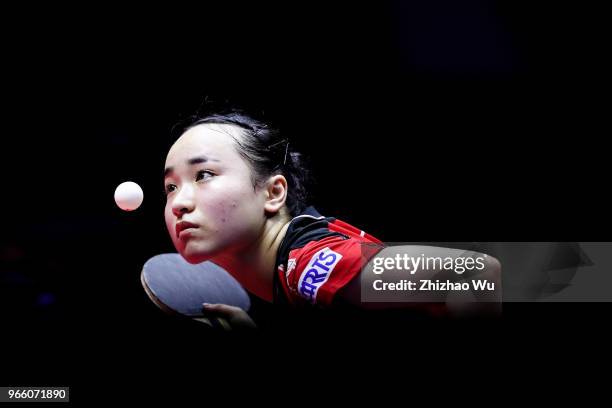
(215, 322)
(204, 320)
(220, 314)
(221, 309)
(223, 324)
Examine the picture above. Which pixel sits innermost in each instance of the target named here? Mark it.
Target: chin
(194, 261)
(195, 256)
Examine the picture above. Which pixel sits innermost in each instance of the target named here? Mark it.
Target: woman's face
(209, 185)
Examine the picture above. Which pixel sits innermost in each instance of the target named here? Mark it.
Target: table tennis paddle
(178, 287)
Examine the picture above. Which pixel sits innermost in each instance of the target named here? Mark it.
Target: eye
(204, 175)
(169, 188)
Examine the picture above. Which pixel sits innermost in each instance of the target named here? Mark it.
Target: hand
(230, 317)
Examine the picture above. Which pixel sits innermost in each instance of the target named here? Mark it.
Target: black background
(425, 121)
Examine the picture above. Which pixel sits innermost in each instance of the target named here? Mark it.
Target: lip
(184, 227)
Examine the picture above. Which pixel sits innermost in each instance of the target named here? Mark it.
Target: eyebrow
(191, 162)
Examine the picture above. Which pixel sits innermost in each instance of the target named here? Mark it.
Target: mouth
(184, 228)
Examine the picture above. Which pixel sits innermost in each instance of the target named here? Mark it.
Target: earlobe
(276, 193)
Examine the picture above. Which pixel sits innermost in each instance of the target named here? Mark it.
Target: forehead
(212, 140)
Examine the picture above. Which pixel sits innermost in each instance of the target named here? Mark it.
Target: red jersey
(319, 256)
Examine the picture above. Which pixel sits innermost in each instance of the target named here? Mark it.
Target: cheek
(233, 209)
(218, 209)
(170, 219)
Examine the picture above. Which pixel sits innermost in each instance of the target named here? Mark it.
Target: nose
(183, 201)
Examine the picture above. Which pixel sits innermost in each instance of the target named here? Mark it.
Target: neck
(253, 266)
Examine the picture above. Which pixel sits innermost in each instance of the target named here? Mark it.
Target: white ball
(128, 196)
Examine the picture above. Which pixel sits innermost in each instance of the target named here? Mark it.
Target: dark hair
(267, 152)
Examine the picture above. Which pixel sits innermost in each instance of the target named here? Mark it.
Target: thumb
(221, 309)
(233, 314)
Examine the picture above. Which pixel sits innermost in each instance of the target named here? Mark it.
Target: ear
(276, 193)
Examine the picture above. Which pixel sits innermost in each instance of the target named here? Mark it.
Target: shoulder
(319, 256)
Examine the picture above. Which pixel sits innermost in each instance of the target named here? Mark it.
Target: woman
(236, 196)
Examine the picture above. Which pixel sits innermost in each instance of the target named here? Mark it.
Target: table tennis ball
(128, 196)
